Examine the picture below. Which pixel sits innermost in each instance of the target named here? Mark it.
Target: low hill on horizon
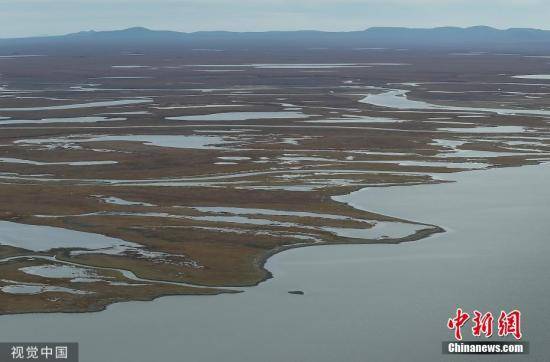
(477, 38)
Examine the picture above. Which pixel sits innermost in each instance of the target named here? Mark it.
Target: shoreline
(259, 262)
(262, 260)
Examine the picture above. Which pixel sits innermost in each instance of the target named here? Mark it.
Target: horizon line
(271, 31)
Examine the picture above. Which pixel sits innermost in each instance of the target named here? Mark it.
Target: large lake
(361, 302)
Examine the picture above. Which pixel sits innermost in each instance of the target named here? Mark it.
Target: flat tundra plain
(133, 176)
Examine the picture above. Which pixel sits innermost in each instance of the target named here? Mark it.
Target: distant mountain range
(479, 38)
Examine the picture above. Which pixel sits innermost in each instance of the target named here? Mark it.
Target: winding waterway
(361, 302)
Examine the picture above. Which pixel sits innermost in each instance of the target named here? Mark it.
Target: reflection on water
(496, 129)
(43, 238)
(533, 76)
(71, 163)
(59, 271)
(397, 99)
(175, 141)
(88, 119)
(380, 231)
(121, 102)
(362, 119)
(239, 116)
(37, 288)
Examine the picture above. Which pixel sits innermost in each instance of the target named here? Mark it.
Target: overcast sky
(49, 17)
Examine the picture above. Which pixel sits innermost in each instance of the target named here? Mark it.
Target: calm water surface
(361, 302)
